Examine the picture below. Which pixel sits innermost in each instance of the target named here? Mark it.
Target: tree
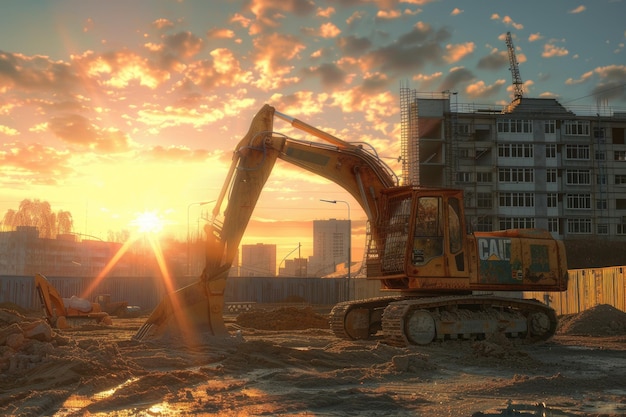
(38, 214)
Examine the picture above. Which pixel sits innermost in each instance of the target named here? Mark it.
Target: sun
(148, 222)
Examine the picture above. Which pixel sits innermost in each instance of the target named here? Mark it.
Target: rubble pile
(600, 320)
(24, 342)
(285, 318)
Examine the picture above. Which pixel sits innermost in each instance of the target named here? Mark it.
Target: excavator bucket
(188, 313)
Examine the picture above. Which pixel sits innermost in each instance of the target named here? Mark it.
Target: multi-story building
(23, 252)
(258, 260)
(331, 246)
(531, 164)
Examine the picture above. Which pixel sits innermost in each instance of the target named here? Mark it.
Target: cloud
(327, 12)
(507, 20)
(330, 74)
(269, 12)
(223, 69)
(32, 164)
(162, 24)
(411, 52)
(456, 11)
(119, 69)
(534, 37)
(8, 131)
(481, 90)
(216, 33)
(78, 130)
(578, 9)
(351, 45)
(496, 60)
(329, 30)
(550, 50)
(35, 73)
(455, 78)
(455, 53)
(273, 60)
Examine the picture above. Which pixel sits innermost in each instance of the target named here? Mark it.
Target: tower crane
(518, 85)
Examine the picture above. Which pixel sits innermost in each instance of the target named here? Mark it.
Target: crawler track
(418, 321)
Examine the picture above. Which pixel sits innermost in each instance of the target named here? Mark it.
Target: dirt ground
(285, 362)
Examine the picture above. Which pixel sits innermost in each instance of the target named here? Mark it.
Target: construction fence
(147, 292)
(586, 289)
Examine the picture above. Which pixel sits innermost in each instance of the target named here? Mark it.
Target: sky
(114, 109)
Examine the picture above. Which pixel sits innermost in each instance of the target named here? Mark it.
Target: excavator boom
(197, 308)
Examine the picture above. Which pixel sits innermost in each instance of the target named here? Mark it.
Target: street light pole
(349, 239)
(199, 203)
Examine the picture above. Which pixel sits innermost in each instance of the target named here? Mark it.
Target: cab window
(428, 233)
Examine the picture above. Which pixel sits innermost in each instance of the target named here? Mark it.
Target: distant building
(258, 260)
(331, 243)
(24, 253)
(296, 267)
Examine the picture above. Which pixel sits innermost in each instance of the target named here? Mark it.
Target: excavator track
(354, 320)
(419, 321)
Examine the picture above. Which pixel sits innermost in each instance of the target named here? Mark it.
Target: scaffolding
(409, 136)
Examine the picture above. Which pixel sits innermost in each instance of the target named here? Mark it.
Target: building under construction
(531, 164)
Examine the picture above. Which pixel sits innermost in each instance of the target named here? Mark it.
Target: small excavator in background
(63, 313)
(419, 246)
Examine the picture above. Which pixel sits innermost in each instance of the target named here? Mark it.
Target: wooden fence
(586, 289)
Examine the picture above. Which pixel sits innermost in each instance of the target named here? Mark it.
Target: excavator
(447, 278)
(63, 313)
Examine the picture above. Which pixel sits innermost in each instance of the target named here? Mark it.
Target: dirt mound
(285, 318)
(600, 320)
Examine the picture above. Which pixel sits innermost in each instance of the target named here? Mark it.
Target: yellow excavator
(63, 313)
(419, 247)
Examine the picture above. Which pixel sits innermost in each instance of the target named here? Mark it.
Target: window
(579, 226)
(516, 175)
(516, 223)
(514, 126)
(464, 177)
(578, 201)
(553, 225)
(484, 224)
(515, 150)
(598, 134)
(619, 155)
(551, 175)
(602, 229)
(577, 152)
(483, 177)
(600, 156)
(621, 229)
(579, 177)
(620, 203)
(601, 204)
(551, 150)
(463, 129)
(484, 200)
(620, 179)
(549, 126)
(577, 127)
(552, 200)
(466, 153)
(517, 200)
(601, 179)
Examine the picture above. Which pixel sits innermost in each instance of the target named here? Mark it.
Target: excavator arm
(198, 308)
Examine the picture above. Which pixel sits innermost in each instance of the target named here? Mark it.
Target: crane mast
(518, 85)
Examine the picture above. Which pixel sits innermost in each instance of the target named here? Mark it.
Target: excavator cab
(422, 240)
